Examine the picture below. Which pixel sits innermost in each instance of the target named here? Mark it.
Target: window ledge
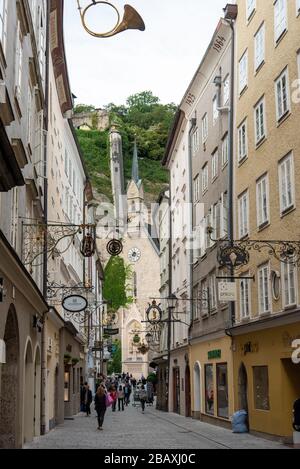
(263, 226)
(251, 17)
(283, 118)
(287, 211)
(242, 160)
(282, 35)
(258, 69)
(224, 166)
(290, 307)
(243, 91)
(260, 142)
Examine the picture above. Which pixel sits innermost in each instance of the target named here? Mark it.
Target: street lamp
(171, 302)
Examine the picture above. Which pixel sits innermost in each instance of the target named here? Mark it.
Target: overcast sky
(162, 59)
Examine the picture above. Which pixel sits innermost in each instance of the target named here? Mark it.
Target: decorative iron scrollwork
(115, 247)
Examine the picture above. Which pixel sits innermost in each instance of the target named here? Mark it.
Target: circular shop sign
(75, 303)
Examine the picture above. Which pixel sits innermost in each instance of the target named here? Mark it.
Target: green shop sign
(214, 354)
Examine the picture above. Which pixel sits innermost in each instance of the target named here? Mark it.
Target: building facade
(22, 306)
(210, 350)
(176, 160)
(266, 381)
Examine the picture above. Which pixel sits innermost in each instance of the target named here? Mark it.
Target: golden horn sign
(131, 19)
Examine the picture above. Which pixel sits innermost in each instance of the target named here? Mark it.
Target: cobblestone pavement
(153, 430)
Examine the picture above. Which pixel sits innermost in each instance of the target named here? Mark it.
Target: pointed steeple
(135, 165)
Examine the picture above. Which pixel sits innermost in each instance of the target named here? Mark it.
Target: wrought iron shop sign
(114, 247)
(154, 313)
(233, 256)
(111, 331)
(75, 303)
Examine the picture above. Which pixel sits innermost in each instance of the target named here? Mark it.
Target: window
(243, 72)
(205, 178)
(245, 297)
(280, 17)
(251, 5)
(215, 110)
(215, 165)
(197, 308)
(244, 214)
(260, 127)
(297, 7)
(261, 387)
(204, 128)
(66, 163)
(18, 63)
(197, 189)
(262, 195)
(204, 298)
(224, 215)
(3, 24)
(282, 95)
(222, 390)
(289, 284)
(225, 150)
(226, 90)
(242, 141)
(286, 183)
(195, 141)
(259, 47)
(264, 290)
(209, 390)
(212, 292)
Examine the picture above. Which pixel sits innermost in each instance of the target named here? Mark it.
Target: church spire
(135, 165)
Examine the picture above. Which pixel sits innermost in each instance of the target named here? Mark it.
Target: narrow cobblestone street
(153, 430)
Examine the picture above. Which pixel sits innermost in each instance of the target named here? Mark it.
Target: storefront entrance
(243, 388)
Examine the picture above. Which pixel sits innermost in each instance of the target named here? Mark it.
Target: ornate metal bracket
(236, 253)
(54, 240)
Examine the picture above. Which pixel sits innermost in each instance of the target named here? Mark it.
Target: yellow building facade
(267, 171)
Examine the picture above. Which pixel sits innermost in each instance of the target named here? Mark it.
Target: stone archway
(37, 393)
(28, 413)
(197, 390)
(9, 397)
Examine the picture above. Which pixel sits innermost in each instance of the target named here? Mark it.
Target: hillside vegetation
(144, 118)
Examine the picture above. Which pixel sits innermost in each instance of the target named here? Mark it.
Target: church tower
(117, 175)
(135, 196)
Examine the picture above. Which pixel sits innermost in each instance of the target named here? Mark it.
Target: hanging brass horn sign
(131, 19)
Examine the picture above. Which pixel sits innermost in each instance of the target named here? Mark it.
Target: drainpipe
(231, 162)
(193, 124)
(45, 259)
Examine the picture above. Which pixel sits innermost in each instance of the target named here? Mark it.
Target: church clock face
(134, 255)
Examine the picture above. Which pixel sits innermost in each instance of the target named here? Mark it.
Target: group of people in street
(115, 390)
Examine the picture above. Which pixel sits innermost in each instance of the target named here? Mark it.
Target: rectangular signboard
(227, 292)
(111, 331)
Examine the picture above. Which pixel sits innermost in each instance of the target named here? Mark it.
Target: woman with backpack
(100, 405)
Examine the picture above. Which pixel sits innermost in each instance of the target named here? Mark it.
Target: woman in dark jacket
(100, 405)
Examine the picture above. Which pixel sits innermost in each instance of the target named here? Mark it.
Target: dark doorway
(176, 390)
(188, 401)
(243, 388)
(9, 397)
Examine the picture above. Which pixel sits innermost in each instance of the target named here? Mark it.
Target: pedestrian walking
(114, 395)
(88, 399)
(127, 392)
(100, 406)
(121, 398)
(143, 397)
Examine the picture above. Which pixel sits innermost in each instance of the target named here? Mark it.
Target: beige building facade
(267, 172)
